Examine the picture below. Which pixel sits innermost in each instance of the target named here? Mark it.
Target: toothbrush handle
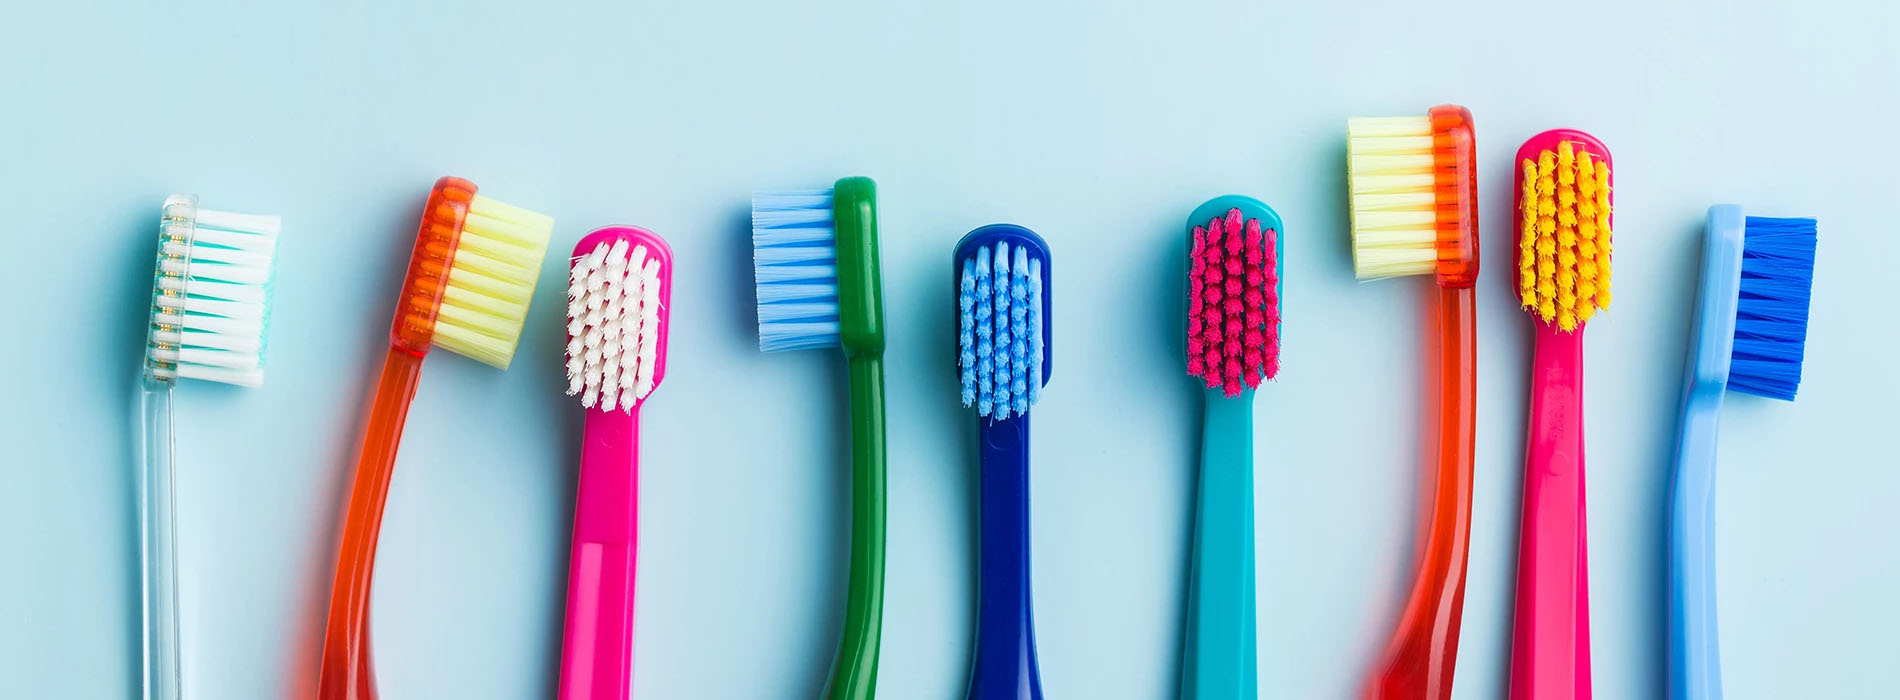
(1695, 668)
(855, 675)
(158, 548)
(346, 672)
(1550, 646)
(1420, 662)
(1005, 664)
(597, 649)
(1220, 659)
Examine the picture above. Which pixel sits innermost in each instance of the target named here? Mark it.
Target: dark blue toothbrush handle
(1005, 664)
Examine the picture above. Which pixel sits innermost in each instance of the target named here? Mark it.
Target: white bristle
(210, 294)
(613, 326)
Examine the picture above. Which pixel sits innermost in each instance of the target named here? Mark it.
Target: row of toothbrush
(1413, 201)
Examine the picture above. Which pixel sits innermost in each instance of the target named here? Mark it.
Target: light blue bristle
(1018, 329)
(966, 332)
(1004, 339)
(1036, 330)
(984, 348)
(794, 261)
(1771, 318)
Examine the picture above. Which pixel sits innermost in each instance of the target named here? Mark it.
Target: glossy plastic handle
(1005, 664)
(158, 545)
(1695, 668)
(346, 672)
(1550, 644)
(597, 648)
(854, 675)
(1423, 654)
(1220, 659)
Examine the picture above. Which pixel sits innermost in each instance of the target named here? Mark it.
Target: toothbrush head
(211, 294)
(1233, 302)
(619, 292)
(1003, 305)
(815, 258)
(472, 275)
(1563, 229)
(1773, 283)
(1413, 185)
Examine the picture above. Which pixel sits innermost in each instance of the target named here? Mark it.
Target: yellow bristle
(1566, 222)
(1586, 238)
(1527, 240)
(1546, 236)
(1602, 198)
(1566, 237)
(491, 280)
(1389, 178)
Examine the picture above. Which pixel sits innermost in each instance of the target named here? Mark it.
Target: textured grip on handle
(158, 545)
(1221, 661)
(1695, 668)
(597, 646)
(346, 672)
(1420, 662)
(1005, 664)
(854, 675)
(1550, 646)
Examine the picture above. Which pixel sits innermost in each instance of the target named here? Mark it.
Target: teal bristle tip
(1002, 320)
(795, 262)
(1771, 316)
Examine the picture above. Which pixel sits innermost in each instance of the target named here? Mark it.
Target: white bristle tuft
(211, 294)
(613, 326)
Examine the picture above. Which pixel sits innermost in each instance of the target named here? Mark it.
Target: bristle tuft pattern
(1233, 327)
(1390, 177)
(1000, 330)
(795, 264)
(1563, 273)
(211, 295)
(613, 326)
(491, 281)
(1771, 316)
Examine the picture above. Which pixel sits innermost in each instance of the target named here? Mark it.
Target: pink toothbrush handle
(597, 647)
(1550, 646)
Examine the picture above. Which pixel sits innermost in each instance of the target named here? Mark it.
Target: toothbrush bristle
(211, 294)
(1233, 304)
(1771, 315)
(614, 329)
(1563, 257)
(490, 281)
(1000, 334)
(795, 263)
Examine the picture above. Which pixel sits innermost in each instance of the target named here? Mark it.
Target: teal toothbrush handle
(1695, 669)
(1220, 662)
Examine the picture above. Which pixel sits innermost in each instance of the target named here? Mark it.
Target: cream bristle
(613, 324)
(491, 281)
(210, 294)
(1390, 183)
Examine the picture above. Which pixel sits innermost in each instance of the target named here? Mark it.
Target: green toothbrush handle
(1220, 662)
(855, 675)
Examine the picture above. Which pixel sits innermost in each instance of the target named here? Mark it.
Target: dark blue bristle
(1771, 318)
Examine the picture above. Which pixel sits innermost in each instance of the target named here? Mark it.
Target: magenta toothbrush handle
(1550, 645)
(597, 647)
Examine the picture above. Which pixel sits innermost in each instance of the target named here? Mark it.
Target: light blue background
(1100, 125)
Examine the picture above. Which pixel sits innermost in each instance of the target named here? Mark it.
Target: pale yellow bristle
(491, 280)
(1565, 225)
(1390, 180)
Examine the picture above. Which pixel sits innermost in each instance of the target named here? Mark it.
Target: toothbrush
(1414, 202)
(211, 294)
(1751, 323)
(1563, 278)
(816, 262)
(467, 290)
(1233, 342)
(1003, 357)
(619, 292)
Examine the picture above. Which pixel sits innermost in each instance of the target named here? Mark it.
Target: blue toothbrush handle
(1220, 659)
(1695, 668)
(1005, 664)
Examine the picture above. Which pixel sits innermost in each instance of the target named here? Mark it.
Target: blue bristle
(984, 369)
(1771, 318)
(1003, 337)
(966, 332)
(1036, 330)
(1018, 329)
(794, 260)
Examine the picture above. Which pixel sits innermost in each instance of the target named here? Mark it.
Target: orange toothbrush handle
(1418, 663)
(346, 671)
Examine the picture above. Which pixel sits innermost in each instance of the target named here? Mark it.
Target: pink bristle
(1213, 290)
(1233, 305)
(1270, 290)
(1254, 341)
(1195, 366)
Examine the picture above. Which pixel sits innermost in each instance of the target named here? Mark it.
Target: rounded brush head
(211, 294)
(815, 259)
(1414, 196)
(1003, 319)
(1233, 303)
(619, 290)
(471, 276)
(1562, 257)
